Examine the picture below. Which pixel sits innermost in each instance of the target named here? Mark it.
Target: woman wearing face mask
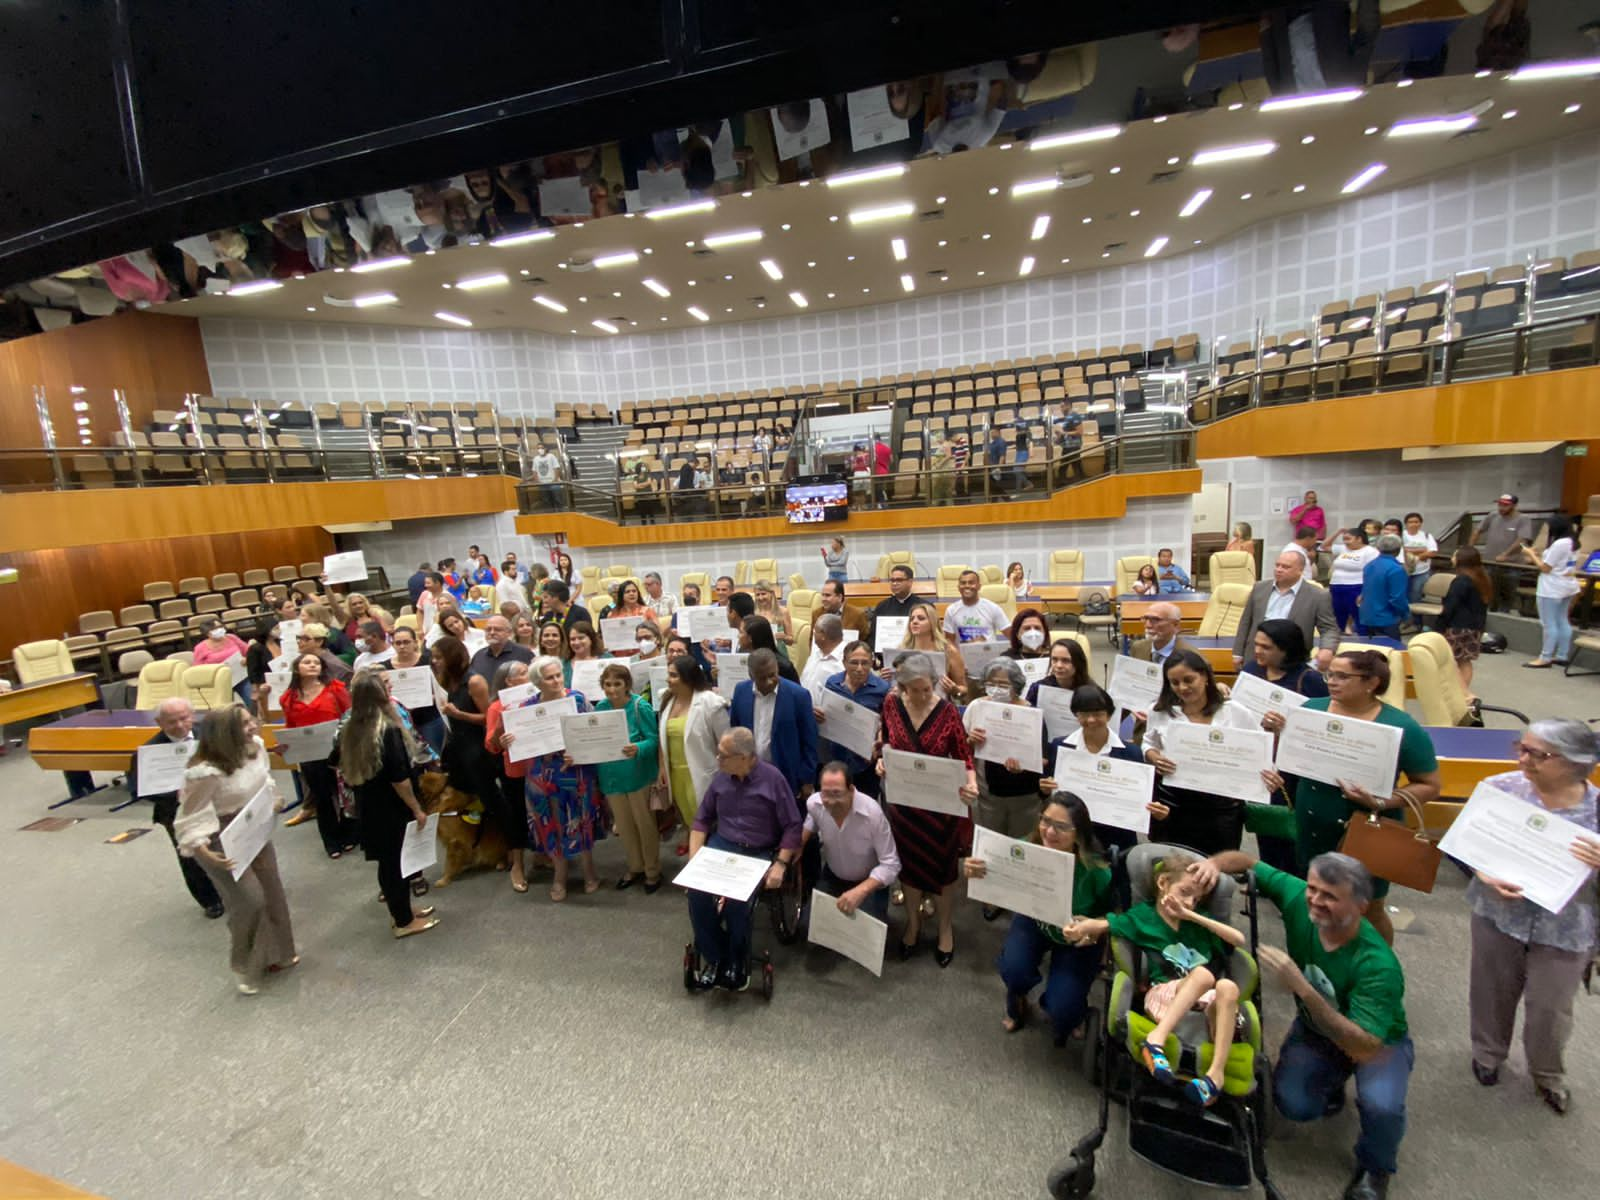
(1190, 696)
(924, 634)
(217, 645)
(1008, 795)
(1069, 668)
(1094, 711)
(1030, 636)
(626, 782)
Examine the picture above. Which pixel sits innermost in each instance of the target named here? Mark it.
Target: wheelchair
(784, 906)
(1223, 1146)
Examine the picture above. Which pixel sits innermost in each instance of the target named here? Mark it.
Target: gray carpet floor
(525, 1048)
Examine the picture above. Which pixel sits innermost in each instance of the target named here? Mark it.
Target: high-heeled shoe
(907, 949)
(943, 957)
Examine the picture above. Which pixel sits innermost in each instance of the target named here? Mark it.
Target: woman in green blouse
(626, 782)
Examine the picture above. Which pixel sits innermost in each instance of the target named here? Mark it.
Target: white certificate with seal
(732, 670)
(1022, 877)
(1332, 749)
(1219, 760)
(888, 633)
(1259, 697)
(1010, 731)
(723, 873)
(1521, 843)
(860, 936)
(161, 767)
(250, 830)
(586, 677)
(1135, 684)
(620, 633)
(307, 743)
(1117, 792)
(419, 848)
(924, 781)
(412, 686)
(595, 737)
(976, 656)
(704, 623)
(1056, 705)
(536, 729)
(848, 724)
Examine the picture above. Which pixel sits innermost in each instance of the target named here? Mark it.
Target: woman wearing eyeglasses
(1520, 951)
(1356, 680)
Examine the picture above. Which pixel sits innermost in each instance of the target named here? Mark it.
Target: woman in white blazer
(693, 720)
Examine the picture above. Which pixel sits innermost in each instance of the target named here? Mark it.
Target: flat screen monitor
(813, 499)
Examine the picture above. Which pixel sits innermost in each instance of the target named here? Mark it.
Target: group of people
(752, 768)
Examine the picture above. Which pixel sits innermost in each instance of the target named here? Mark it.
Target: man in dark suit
(176, 719)
(1290, 596)
(1161, 624)
(779, 713)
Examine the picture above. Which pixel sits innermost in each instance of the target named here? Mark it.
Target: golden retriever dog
(466, 844)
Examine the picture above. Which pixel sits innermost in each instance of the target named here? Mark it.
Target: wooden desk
(1131, 610)
(48, 696)
(105, 741)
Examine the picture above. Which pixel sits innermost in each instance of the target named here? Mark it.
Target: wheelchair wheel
(785, 905)
(690, 968)
(1262, 1102)
(1072, 1180)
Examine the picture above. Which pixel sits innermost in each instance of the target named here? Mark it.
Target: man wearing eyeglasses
(748, 809)
(1161, 624)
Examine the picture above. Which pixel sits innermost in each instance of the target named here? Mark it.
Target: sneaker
(734, 980)
(246, 988)
(708, 978)
(1367, 1185)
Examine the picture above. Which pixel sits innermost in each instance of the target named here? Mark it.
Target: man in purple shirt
(860, 862)
(748, 809)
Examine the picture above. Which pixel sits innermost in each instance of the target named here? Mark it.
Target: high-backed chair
(41, 660)
(1232, 566)
(741, 573)
(1224, 610)
(1433, 591)
(592, 580)
(900, 558)
(159, 680)
(160, 590)
(1439, 692)
(1128, 571)
(408, 621)
(945, 580)
(797, 580)
(1074, 635)
(619, 570)
(800, 649)
(700, 579)
(1001, 594)
(1093, 597)
(209, 686)
(992, 573)
(1066, 566)
(764, 570)
(801, 603)
(1395, 693)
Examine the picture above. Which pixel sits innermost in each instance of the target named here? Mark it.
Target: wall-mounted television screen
(811, 499)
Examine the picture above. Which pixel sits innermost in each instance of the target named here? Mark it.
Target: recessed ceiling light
(938, 199)
(698, 313)
(1508, 114)
(833, 218)
(552, 305)
(1065, 261)
(473, 282)
(1032, 187)
(1245, 195)
(1099, 133)
(1370, 130)
(1088, 220)
(830, 295)
(849, 258)
(730, 308)
(865, 291)
(727, 279)
(1027, 265)
(524, 271)
(1558, 70)
(1308, 139)
(994, 191)
(1134, 212)
(1422, 126)
(943, 243)
(1173, 161)
(454, 319)
(1116, 170)
(799, 299)
(1299, 187)
(1105, 254)
(624, 258)
(691, 282)
(771, 267)
(1159, 121)
(311, 308)
(882, 212)
(380, 264)
(254, 287)
(1222, 154)
(981, 274)
(784, 227)
(811, 263)
(583, 299)
(648, 250)
(375, 300)
(986, 237)
(1236, 106)
(737, 237)
(1364, 177)
(898, 247)
(1571, 108)
(605, 326)
(522, 239)
(1312, 99)
(1156, 247)
(616, 295)
(1041, 226)
(761, 303)
(1195, 201)
(1405, 83)
(656, 286)
(870, 175)
(907, 283)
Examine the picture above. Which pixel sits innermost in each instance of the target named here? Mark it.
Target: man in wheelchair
(748, 808)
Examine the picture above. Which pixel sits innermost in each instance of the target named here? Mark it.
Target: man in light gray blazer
(1289, 595)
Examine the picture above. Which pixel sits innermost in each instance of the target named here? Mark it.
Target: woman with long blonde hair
(924, 633)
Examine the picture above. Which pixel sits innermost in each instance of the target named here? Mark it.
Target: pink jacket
(216, 650)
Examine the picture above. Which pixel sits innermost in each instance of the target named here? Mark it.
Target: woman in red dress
(917, 720)
(311, 699)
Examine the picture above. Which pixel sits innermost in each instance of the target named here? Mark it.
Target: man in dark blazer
(1290, 596)
(1161, 624)
(779, 714)
(176, 719)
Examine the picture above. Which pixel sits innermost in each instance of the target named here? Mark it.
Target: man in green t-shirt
(1350, 993)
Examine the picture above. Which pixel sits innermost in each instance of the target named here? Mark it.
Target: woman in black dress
(374, 755)
(470, 767)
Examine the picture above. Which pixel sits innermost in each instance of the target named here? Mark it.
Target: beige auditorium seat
(896, 558)
(35, 661)
(1128, 571)
(1224, 610)
(764, 570)
(1231, 566)
(797, 581)
(1433, 590)
(946, 579)
(1002, 595)
(619, 570)
(209, 686)
(800, 649)
(741, 573)
(592, 580)
(802, 603)
(992, 573)
(159, 680)
(700, 579)
(1066, 566)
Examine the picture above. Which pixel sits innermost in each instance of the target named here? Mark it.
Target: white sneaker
(246, 988)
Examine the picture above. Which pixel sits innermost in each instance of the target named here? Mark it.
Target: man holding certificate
(779, 714)
(1522, 951)
(748, 809)
(175, 717)
(860, 686)
(859, 860)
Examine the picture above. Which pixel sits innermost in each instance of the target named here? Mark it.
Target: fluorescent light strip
(738, 237)
(454, 319)
(1041, 226)
(681, 210)
(1099, 133)
(1196, 201)
(255, 287)
(1312, 99)
(898, 246)
(885, 212)
(552, 305)
(607, 326)
(375, 299)
(799, 299)
(1357, 182)
(870, 175)
(773, 270)
(523, 239)
(473, 282)
(1027, 266)
(1426, 125)
(1032, 187)
(1156, 247)
(380, 264)
(657, 287)
(626, 258)
(698, 313)
(907, 283)
(1559, 70)
(1222, 154)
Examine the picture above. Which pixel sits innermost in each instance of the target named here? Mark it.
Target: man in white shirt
(824, 661)
(860, 861)
(509, 587)
(974, 619)
(663, 602)
(547, 472)
(1288, 596)
(512, 567)
(1420, 547)
(375, 648)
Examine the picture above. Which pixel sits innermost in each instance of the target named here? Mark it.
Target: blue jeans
(1557, 627)
(723, 939)
(875, 905)
(1415, 584)
(432, 732)
(1312, 1072)
(1072, 971)
(839, 577)
(1344, 597)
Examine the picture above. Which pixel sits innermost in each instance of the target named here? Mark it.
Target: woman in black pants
(374, 755)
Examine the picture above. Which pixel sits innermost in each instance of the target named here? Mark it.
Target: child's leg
(1223, 1017)
(1193, 985)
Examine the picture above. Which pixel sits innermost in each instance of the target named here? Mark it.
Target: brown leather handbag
(1392, 851)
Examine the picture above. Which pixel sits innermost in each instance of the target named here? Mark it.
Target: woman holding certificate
(1029, 635)
(917, 720)
(1356, 679)
(563, 799)
(311, 699)
(502, 796)
(924, 633)
(1094, 710)
(693, 719)
(1008, 795)
(1190, 696)
(1520, 951)
(583, 645)
(1069, 668)
(626, 782)
(1280, 657)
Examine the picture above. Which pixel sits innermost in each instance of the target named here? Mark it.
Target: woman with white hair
(1520, 951)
